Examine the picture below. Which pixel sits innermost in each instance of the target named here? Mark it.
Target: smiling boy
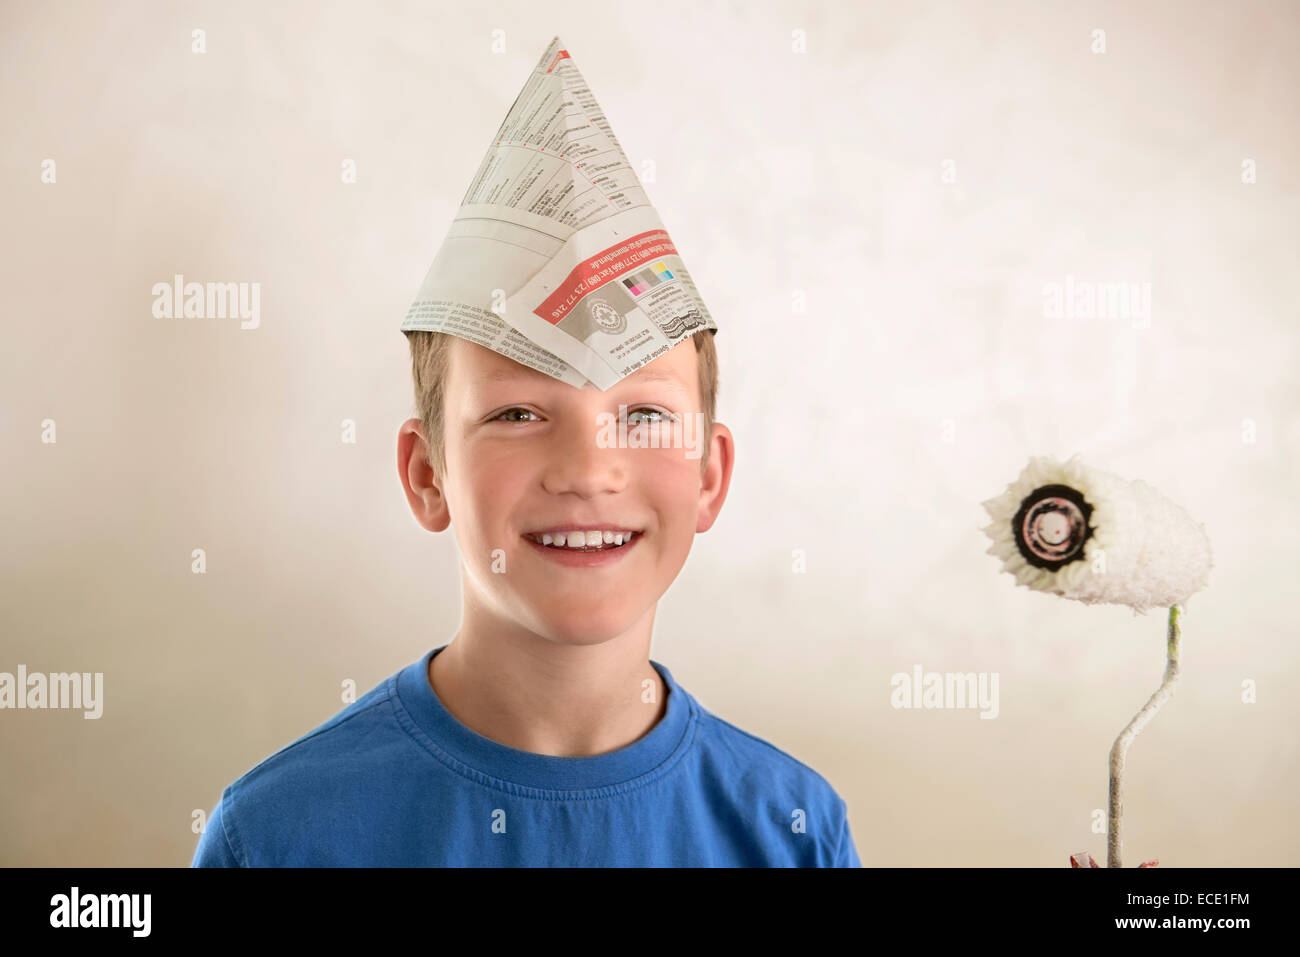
(542, 733)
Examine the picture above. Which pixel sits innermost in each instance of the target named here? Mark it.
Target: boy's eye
(659, 415)
(637, 416)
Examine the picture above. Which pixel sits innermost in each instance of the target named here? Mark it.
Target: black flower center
(1052, 526)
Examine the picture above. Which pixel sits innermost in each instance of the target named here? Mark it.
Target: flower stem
(1120, 749)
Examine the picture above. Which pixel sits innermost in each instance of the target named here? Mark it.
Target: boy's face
(525, 456)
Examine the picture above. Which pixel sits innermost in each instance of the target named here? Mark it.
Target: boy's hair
(429, 352)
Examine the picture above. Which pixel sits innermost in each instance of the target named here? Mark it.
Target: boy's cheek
(674, 467)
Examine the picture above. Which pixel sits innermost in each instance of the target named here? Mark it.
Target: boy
(543, 734)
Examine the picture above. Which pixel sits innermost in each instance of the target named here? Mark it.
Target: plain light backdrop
(872, 223)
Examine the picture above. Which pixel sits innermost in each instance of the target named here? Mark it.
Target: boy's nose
(577, 462)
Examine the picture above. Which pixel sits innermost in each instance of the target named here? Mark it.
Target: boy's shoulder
(318, 775)
(328, 748)
(754, 780)
(757, 761)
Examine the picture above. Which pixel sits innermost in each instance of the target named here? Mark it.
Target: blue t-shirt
(394, 779)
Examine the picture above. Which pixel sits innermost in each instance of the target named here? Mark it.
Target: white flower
(1078, 532)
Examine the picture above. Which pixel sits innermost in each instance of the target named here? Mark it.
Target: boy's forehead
(487, 366)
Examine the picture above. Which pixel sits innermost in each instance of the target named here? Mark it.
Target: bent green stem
(1120, 749)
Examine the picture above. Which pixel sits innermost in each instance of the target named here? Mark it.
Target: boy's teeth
(578, 539)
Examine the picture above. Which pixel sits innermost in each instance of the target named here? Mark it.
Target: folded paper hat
(556, 258)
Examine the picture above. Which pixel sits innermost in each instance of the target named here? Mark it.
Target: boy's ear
(716, 477)
(424, 491)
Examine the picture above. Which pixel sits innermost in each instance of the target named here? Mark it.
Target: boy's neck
(525, 692)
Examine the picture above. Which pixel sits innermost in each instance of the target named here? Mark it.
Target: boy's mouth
(579, 540)
(596, 555)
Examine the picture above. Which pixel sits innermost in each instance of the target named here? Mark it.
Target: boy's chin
(573, 628)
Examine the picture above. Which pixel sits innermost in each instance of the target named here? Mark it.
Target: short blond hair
(429, 361)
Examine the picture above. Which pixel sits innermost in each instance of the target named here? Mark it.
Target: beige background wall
(775, 171)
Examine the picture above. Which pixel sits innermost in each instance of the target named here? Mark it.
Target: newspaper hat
(556, 258)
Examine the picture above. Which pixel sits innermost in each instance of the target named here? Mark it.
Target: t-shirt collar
(456, 744)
